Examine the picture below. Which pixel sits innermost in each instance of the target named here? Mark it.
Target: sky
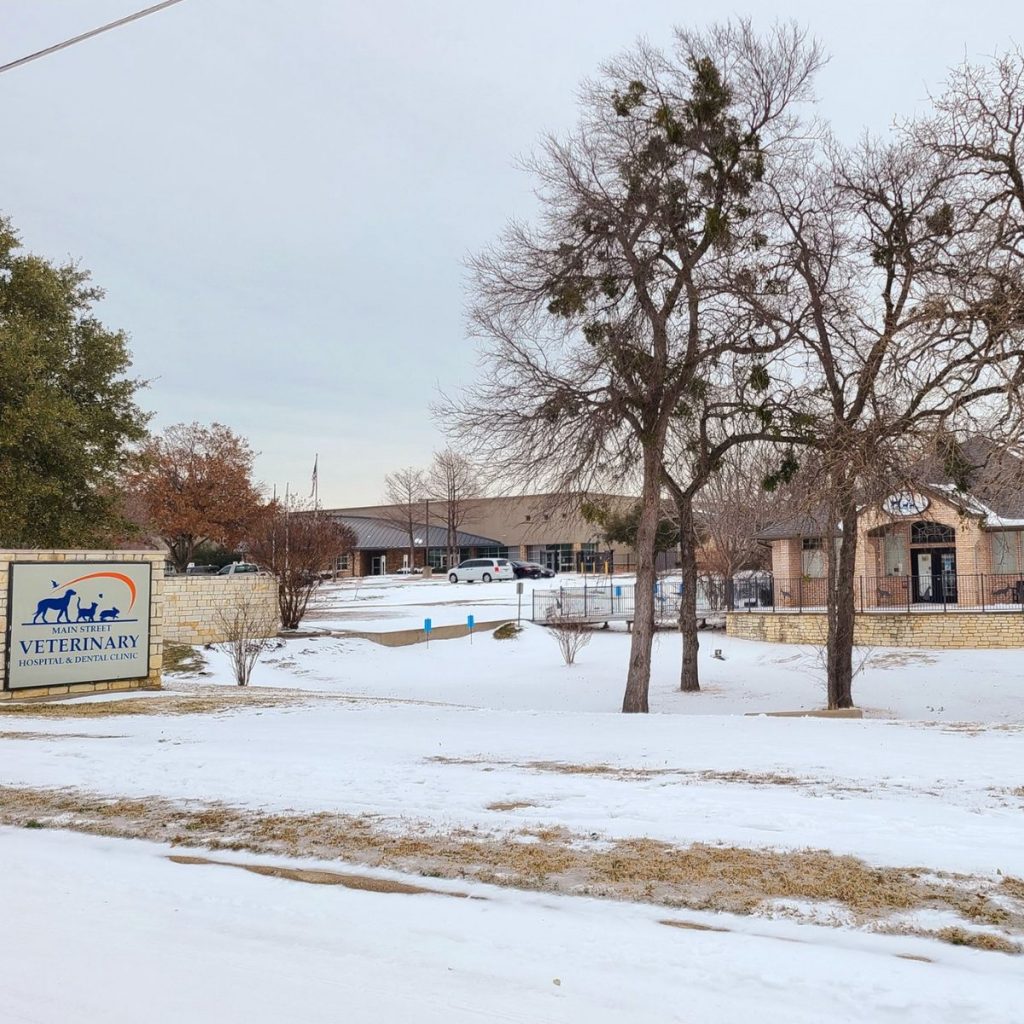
(279, 198)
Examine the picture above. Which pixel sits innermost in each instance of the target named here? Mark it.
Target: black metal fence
(942, 591)
(606, 600)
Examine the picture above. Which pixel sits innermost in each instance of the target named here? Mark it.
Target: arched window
(931, 533)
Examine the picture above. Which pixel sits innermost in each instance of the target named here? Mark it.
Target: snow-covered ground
(111, 931)
(497, 737)
(376, 603)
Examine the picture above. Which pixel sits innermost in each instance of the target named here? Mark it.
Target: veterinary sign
(77, 622)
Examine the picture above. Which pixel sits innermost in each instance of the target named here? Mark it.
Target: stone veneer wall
(156, 654)
(192, 603)
(879, 629)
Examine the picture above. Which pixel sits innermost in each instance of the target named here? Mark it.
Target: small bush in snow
(249, 628)
(571, 633)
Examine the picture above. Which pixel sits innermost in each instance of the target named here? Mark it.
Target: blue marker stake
(427, 627)
(470, 622)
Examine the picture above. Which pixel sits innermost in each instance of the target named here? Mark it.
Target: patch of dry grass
(59, 736)
(209, 700)
(181, 659)
(700, 876)
(630, 774)
(509, 805)
(978, 940)
(318, 876)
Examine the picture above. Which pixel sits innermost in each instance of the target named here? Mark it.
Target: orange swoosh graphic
(126, 580)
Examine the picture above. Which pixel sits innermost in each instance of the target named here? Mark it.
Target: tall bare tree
(914, 333)
(604, 317)
(733, 507)
(404, 491)
(453, 481)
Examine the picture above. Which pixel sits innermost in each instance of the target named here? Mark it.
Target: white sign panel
(905, 504)
(77, 622)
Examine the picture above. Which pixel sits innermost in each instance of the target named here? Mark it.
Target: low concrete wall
(879, 629)
(192, 604)
(156, 655)
(407, 637)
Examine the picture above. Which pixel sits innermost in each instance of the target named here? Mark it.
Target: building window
(932, 533)
(1005, 551)
(895, 554)
(493, 552)
(812, 558)
(343, 563)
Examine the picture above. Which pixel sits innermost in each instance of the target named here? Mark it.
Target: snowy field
(498, 748)
(377, 603)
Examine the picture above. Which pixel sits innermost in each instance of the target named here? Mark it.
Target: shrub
(571, 634)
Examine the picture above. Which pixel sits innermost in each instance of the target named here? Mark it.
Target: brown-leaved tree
(194, 483)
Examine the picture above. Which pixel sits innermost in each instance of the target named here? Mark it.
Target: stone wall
(879, 629)
(156, 656)
(192, 604)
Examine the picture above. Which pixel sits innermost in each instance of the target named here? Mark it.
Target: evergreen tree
(68, 418)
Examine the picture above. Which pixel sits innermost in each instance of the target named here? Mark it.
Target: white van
(483, 569)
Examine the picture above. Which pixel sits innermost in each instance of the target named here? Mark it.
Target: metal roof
(374, 533)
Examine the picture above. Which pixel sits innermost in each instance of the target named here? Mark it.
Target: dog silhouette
(87, 614)
(110, 613)
(57, 604)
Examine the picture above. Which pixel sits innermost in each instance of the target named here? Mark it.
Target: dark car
(531, 571)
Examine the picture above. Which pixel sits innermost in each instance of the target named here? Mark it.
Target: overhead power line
(87, 35)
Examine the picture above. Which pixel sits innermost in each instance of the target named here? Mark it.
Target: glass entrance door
(924, 589)
(934, 576)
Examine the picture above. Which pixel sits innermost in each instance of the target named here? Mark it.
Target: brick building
(535, 528)
(935, 545)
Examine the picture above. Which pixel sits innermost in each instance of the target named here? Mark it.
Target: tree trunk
(638, 679)
(181, 550)
(842, 606)
(689, 681)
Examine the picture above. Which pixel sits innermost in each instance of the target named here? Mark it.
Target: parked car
(482, 569)
(531, 571)
(237, 567)
(201, 570)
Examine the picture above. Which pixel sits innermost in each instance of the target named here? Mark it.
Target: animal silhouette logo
(109, 614)
(57, 604)
(88, 613)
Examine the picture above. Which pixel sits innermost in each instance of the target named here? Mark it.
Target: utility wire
(87, 35)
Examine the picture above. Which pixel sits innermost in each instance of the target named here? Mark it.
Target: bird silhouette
(56, 585)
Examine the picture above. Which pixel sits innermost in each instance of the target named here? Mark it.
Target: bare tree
(454, 483)
(739, 409)
(297, 543)
(913, 333)
(404, 491)
(248, 626)
(733, 507)
(605, 317)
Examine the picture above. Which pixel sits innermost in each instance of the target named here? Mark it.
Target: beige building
(936, 545)
(534, 528)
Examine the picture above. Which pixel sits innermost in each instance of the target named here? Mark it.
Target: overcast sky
(278, 197)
